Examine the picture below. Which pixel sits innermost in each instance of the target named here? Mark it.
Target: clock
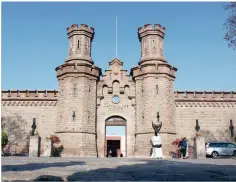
(115, 99)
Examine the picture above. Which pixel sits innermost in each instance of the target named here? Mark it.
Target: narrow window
(87, 45)
(78, 44)
(153, 43)
(74, 88)
(73, 115)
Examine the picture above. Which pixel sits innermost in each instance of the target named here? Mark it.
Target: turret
(80, 40)
(152, 43)
(77, 78)
(154, 87)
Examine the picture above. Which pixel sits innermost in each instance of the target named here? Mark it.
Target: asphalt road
(117, 169)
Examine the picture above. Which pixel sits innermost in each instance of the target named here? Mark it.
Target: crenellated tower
(80, 40)
(154, 83)
(77, 78)
(152, 43)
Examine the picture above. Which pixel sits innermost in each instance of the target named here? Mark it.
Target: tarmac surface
(116, 169)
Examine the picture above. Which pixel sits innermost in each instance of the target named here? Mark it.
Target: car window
(224, 145)
(230, 145)
(213, 145)
(219, 145)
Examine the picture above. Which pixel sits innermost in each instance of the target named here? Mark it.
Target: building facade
(88, 100)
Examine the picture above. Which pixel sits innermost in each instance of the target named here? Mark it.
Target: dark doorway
(113, 146)
(115, 137)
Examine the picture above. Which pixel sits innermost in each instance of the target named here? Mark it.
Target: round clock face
(115, 99)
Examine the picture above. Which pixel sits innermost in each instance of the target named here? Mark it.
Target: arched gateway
(116, 145)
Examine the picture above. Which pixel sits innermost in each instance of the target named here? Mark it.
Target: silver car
(215, 149)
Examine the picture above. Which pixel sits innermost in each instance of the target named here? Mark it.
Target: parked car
(215, 149)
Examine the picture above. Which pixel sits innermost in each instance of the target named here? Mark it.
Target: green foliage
(4, 139)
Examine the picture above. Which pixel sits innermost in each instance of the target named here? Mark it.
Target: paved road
(117, 169)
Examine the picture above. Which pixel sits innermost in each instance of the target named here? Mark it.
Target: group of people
(183, 148)
(112, 152)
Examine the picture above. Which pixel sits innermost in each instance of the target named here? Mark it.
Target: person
(187, 152)
(109, 152)
(183, 148)
(179, 146)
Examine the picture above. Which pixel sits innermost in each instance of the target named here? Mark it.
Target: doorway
(113, 148)
(115, 137)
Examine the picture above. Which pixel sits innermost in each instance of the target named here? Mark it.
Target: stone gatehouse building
(88, 99)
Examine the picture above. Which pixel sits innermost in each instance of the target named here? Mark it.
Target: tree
(14, 126)
(4, 140)
(230, 25)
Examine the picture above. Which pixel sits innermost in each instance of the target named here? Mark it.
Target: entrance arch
(115, 143)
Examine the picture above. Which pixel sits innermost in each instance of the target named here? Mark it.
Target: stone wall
(18, 110)
(214, 110)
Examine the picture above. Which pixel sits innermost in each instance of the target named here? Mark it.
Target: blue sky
(34, 41)
(115, 130)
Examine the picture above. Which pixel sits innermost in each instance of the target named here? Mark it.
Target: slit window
(87, 45)
(153, 43)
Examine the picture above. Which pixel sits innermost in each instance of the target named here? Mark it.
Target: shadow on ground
(155, 170)
(37, 166)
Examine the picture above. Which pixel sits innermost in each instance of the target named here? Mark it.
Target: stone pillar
(47, 148)
(200, 147)
(34, 146)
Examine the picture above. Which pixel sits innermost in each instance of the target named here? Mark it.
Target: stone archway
(115, 121)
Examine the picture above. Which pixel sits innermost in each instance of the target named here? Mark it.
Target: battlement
(29, 94)
(205, 95)
(83, 27)
(156, 27)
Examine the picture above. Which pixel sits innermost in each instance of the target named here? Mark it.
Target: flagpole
(116, 36)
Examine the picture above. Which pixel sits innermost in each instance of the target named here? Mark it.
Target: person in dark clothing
(183, 147)
(109, 152)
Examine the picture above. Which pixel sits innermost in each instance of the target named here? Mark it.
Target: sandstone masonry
(84, 103)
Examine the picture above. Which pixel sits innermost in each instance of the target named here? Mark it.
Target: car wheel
(234, 153)
(214, 154)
